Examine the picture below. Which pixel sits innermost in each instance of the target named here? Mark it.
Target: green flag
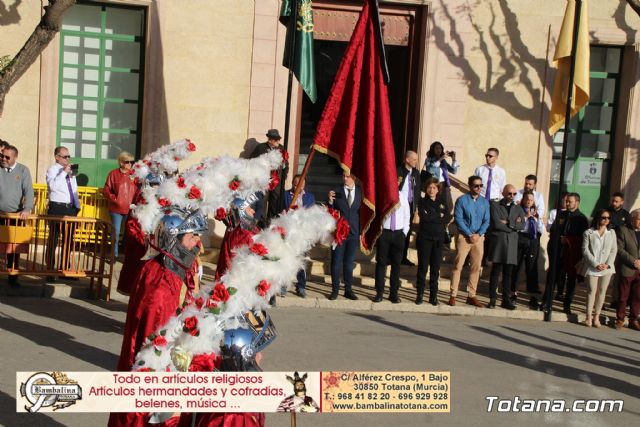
(303, 63)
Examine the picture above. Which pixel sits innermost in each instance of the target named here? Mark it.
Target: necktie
(487, 193)
(392, 225)
(8, 170)
(73, 198)
(410, 195)
(445, 175)
(349, 196)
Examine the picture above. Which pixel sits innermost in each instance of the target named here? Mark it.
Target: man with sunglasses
(506, 220)
(472, 219)
(16, 196)
(63, 198)
(493, 176)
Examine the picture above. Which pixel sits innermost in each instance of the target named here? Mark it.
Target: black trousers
(56, 232)
(528, 252)
(389, 251)
(429, 256)
(507, 272)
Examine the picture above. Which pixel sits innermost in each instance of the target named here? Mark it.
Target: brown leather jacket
(119, 191)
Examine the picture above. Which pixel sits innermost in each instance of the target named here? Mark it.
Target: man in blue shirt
(472, 218)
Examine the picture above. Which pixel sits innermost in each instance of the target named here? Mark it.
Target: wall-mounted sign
(590, 172)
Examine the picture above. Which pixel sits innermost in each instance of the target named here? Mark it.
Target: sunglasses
(64, 157)
(608, 218)
(512, 194)
(477, 186)
(2, 156)
(129, 162)
(489, 155)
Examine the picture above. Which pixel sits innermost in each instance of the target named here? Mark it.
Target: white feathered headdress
(256, 273)
(164, 160)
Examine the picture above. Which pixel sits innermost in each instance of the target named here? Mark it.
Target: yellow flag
(562, 59)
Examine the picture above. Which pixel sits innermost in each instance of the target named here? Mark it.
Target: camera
(74, 169)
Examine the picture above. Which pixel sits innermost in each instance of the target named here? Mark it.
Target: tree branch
(635, 5)
(44, 32)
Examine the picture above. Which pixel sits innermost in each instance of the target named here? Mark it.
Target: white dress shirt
(57, 183)
(538, 199)
(402, 215)
(498, 180)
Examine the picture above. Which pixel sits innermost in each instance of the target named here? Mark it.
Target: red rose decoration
(191, 146)
(221, 214)
(191, 326)
(146, 162)
(164, 202)
(176, 158)
(195, 193)
(234, 184)
(263, 287)
(211, 303)
(342, 230)
(281, 231)
(159, 341)
(275, 180)
(334, 213)
(199, 302)
(259, 249)
(203, 363)
(220, 293)
(285, 155)
(144, 370)
(180, 183)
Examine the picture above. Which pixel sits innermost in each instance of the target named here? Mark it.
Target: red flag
(355, 127)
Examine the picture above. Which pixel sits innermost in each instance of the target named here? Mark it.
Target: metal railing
(92, 202)
(43, 245)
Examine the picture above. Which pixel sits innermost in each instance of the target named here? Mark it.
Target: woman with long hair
(599, 249)
(437, 166)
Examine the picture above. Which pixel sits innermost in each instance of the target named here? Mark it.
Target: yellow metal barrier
(93, 204)
(57, 246)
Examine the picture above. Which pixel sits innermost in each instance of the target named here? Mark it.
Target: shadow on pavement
(9, 417)
(635, 350)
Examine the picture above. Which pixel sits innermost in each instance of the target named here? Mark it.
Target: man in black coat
(409, 184)
(273, 199)
(506, 220)
(347, 200)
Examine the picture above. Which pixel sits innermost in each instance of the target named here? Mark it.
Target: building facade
(133, 75)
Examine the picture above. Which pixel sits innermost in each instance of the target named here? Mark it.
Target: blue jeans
(343, 257)
(117, 220)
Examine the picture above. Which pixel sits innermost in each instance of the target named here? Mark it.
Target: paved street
(486, 356)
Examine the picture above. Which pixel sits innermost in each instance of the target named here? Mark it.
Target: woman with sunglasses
(599, 248)
(119, 191)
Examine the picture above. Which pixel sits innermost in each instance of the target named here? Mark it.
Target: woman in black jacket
(434, 217)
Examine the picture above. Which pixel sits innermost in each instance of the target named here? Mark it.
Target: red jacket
(119, 191)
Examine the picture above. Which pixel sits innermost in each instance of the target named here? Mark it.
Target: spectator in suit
(16, 196)
(409, 184)
(599, 249)
(434, 217)
(529, 249)
(560, 278)
(619, 217)
(629, 262)
(389, 249)
(347, 200)
(571, 225)
(472, 219)
(305, 200)
(119, 190)
(507, 218)
(273, 198)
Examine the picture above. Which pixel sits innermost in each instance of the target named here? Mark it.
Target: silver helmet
(240, 216)
(242, 344)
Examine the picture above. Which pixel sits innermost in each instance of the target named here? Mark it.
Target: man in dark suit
(506, 220)
(628, 266)
(347, 200)
(273, 199)
(409, 184)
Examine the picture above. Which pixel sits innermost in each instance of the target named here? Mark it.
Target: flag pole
(555, 244)
(303, 175)
(291, 57)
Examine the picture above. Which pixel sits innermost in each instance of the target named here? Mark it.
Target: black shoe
(533, 303)
(492, 303)
(351, 296)
(407, 262)
(395, 300)
(506, 304)
(434, 301)
(514, 298)
(378, 298)
(333, 296)
(301, 293)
